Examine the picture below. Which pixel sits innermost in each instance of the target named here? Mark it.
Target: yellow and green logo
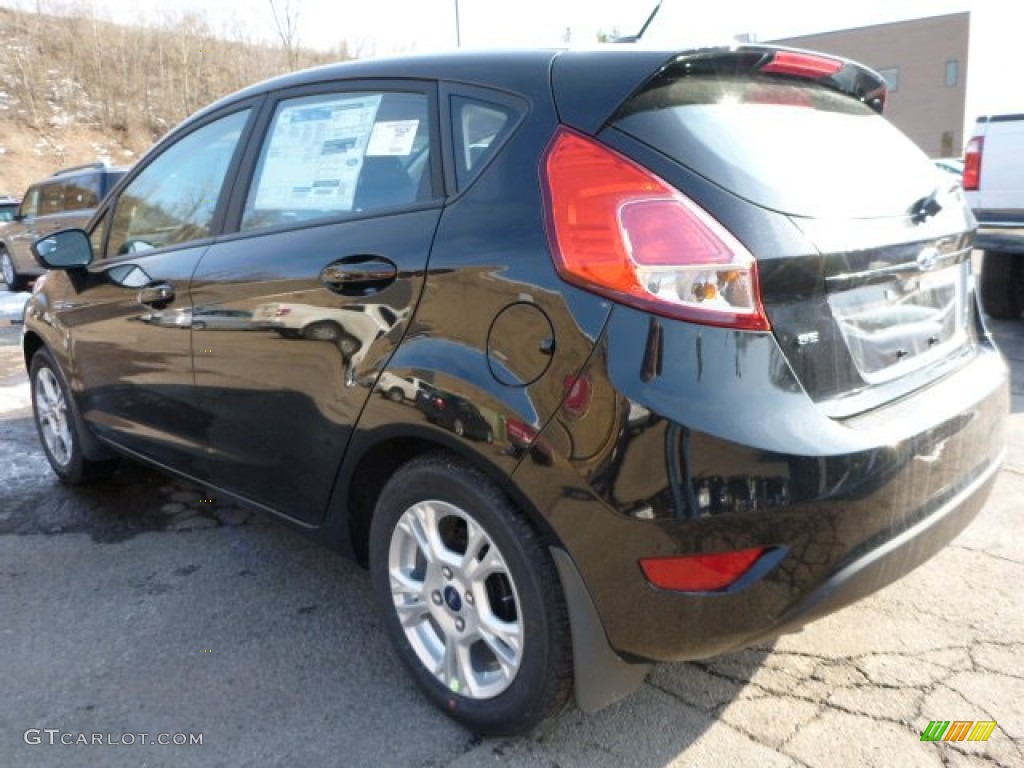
(958, 730)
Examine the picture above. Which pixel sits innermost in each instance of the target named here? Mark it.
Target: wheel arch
(92, 448)
(373, 458)
(31, 343)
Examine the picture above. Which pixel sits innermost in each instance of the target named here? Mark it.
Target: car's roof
(487, 67)
(520, 71)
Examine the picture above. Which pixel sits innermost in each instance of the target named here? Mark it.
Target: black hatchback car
(716, 311)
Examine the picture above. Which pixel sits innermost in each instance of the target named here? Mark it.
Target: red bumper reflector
(699, 573)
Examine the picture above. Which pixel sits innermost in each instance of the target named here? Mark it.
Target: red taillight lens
(699, 573)
(520, 433)
(622, 232)
(801, 65)
(282, 311)
(972, 163)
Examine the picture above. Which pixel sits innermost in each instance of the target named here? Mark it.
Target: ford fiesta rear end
(794, 401)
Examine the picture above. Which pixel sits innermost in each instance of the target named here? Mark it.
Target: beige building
(925, 63)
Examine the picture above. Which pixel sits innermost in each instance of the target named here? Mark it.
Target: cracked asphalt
(147, 606)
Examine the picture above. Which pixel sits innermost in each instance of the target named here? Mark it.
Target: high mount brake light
(801, 65)
(620, 231)
(972, 163)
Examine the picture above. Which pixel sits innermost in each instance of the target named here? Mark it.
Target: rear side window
(339, 153)
(790, 145)
(479, 129)
(173, 200)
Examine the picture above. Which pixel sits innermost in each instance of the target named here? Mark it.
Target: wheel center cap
(452, 599)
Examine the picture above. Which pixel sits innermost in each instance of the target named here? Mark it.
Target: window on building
(892, 78)
(946, 142)
(952, 73)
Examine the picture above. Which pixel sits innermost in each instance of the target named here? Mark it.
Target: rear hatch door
(869, 295)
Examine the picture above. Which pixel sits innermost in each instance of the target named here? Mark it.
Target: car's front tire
(58, 425)
(9, 274)
(1002, 284)
(471, 597)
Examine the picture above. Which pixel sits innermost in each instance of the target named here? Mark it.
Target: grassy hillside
(74, 89)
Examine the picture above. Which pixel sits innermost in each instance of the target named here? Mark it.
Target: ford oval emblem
(928, 259)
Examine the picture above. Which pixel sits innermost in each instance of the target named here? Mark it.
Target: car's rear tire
(58, 424)
(9, 274)
(471, 599)
(1002, 284)
(395, 394)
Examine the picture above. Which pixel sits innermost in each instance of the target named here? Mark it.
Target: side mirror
(67, 249)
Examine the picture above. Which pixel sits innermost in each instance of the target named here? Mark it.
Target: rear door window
(789, 145)
(51, 199)
(340, 153)
(82, 192)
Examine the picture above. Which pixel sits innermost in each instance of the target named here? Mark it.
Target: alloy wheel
(7, 268)
(456, 600)
(52, 414)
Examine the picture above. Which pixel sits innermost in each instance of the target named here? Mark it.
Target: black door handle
(359, 275)
(159, 295)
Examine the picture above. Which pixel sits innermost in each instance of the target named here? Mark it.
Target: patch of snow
(12, 305)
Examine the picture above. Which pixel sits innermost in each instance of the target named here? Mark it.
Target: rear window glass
(792, 146)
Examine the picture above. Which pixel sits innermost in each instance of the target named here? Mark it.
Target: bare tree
(286, 20)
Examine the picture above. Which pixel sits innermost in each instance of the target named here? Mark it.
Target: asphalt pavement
(145, 606)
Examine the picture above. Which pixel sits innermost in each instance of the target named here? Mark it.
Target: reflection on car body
(453, 412)
(222, 319)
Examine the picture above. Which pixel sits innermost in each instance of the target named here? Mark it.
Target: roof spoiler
(590, 88)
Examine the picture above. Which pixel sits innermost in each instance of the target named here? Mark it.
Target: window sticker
(316, 153)
(393, 137)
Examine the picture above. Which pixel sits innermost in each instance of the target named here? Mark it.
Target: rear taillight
(620, 231)
(699, 573)
(972, 163)
(282, 311)
(801, 65)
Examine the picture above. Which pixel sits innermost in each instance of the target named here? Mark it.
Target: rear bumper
(894, 557)
(886, 491)
(1005, 237)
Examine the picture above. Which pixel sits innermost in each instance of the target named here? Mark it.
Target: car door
(129, 320)
(328, 261)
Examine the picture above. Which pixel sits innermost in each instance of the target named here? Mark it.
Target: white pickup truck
(994, 182)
